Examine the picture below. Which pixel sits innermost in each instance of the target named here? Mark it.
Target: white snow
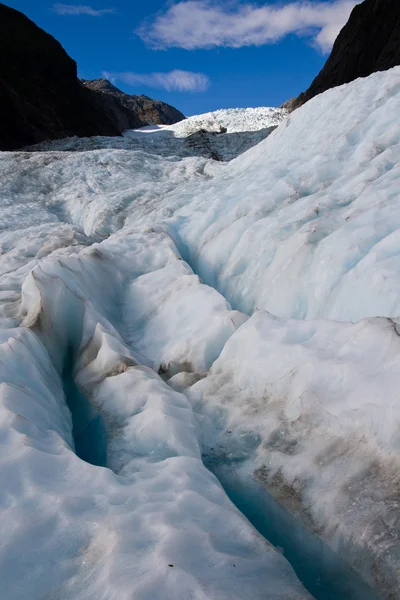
(280, 325)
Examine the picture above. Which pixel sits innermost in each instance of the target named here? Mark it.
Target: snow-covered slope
(183, 309)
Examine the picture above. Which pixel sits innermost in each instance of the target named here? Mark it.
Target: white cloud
(176, 80)
(194, 24)
(78, 9)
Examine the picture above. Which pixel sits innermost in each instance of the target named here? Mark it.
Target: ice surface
(119, 269)
(155, 523)
(303, 225)
(177, 321)
(306, 224)
(310, 408)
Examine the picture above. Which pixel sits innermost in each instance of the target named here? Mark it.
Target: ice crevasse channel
(155, 523)
(294, 391)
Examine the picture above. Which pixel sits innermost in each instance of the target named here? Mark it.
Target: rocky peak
(101, 85)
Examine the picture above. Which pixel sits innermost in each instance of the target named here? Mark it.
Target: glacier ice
(164, 325)
(310, 410)
(244, 313)
(232, 119)
(155, 523)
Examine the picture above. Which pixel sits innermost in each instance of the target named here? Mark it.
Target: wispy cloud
(194, 24)
(176, 80)
(78, 9)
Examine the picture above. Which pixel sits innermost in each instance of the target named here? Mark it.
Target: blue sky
(198, 55)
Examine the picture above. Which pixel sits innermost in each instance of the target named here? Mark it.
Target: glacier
(179, 335)
(221, 135)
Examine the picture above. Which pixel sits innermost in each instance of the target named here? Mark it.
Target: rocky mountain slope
(369, 42)
(41, 97)
(129, 111)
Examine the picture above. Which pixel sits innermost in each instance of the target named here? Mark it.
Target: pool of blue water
(88, 428)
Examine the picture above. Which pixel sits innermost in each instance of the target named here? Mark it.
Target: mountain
(41, 97)
(129, 111)
(369, 42)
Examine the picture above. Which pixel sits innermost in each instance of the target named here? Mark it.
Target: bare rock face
(121, 114)
(155, 112)
(41, 97)
(130, 111)
(369, 42)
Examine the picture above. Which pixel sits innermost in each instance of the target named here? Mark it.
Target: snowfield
(163, 313)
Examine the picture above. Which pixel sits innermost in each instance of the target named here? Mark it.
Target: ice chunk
(178, 322)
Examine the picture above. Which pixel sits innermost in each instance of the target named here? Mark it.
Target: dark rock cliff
(369, 42)
(41, 97)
